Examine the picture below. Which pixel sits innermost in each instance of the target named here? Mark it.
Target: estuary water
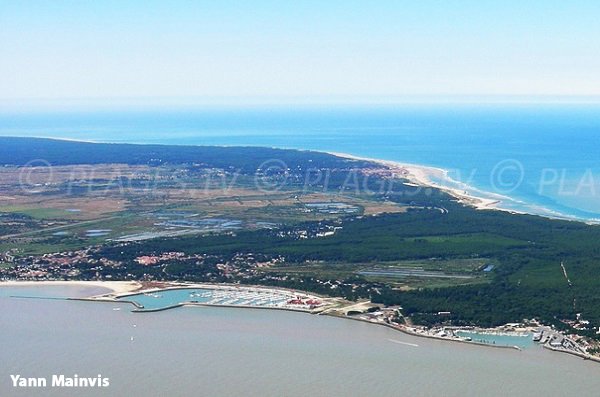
(232, 352)
(542, 157)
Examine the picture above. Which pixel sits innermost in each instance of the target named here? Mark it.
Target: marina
(211, 295)
(514, 336)
(249, 347)
(520, 340)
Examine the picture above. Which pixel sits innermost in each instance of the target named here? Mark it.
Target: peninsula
(423, 257)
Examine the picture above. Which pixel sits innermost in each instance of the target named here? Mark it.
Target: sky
(235, 50)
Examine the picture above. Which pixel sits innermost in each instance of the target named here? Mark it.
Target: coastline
(123, 289)
(425, 176)
(330, 307)
(407, 331)
(421, 175)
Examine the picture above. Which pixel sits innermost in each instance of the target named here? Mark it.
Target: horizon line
(120, 101)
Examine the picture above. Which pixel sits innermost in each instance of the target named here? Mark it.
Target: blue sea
(541, 158)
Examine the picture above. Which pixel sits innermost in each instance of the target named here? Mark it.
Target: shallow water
(173, 297)
(231, 352)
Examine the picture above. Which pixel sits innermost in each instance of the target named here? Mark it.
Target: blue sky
(297, 49)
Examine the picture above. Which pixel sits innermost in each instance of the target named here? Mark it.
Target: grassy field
(81, 198)
(39, 213)
(436, 273)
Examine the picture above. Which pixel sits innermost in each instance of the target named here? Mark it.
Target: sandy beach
(427, 176)
(424, 176)
(117, 287)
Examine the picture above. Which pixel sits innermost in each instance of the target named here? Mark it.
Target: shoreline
(328, 309)
(419, 174)
(423, 175)
(406, 331)
(123, 289)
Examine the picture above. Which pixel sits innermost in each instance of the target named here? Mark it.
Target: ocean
(541, 158)
(206, 351)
